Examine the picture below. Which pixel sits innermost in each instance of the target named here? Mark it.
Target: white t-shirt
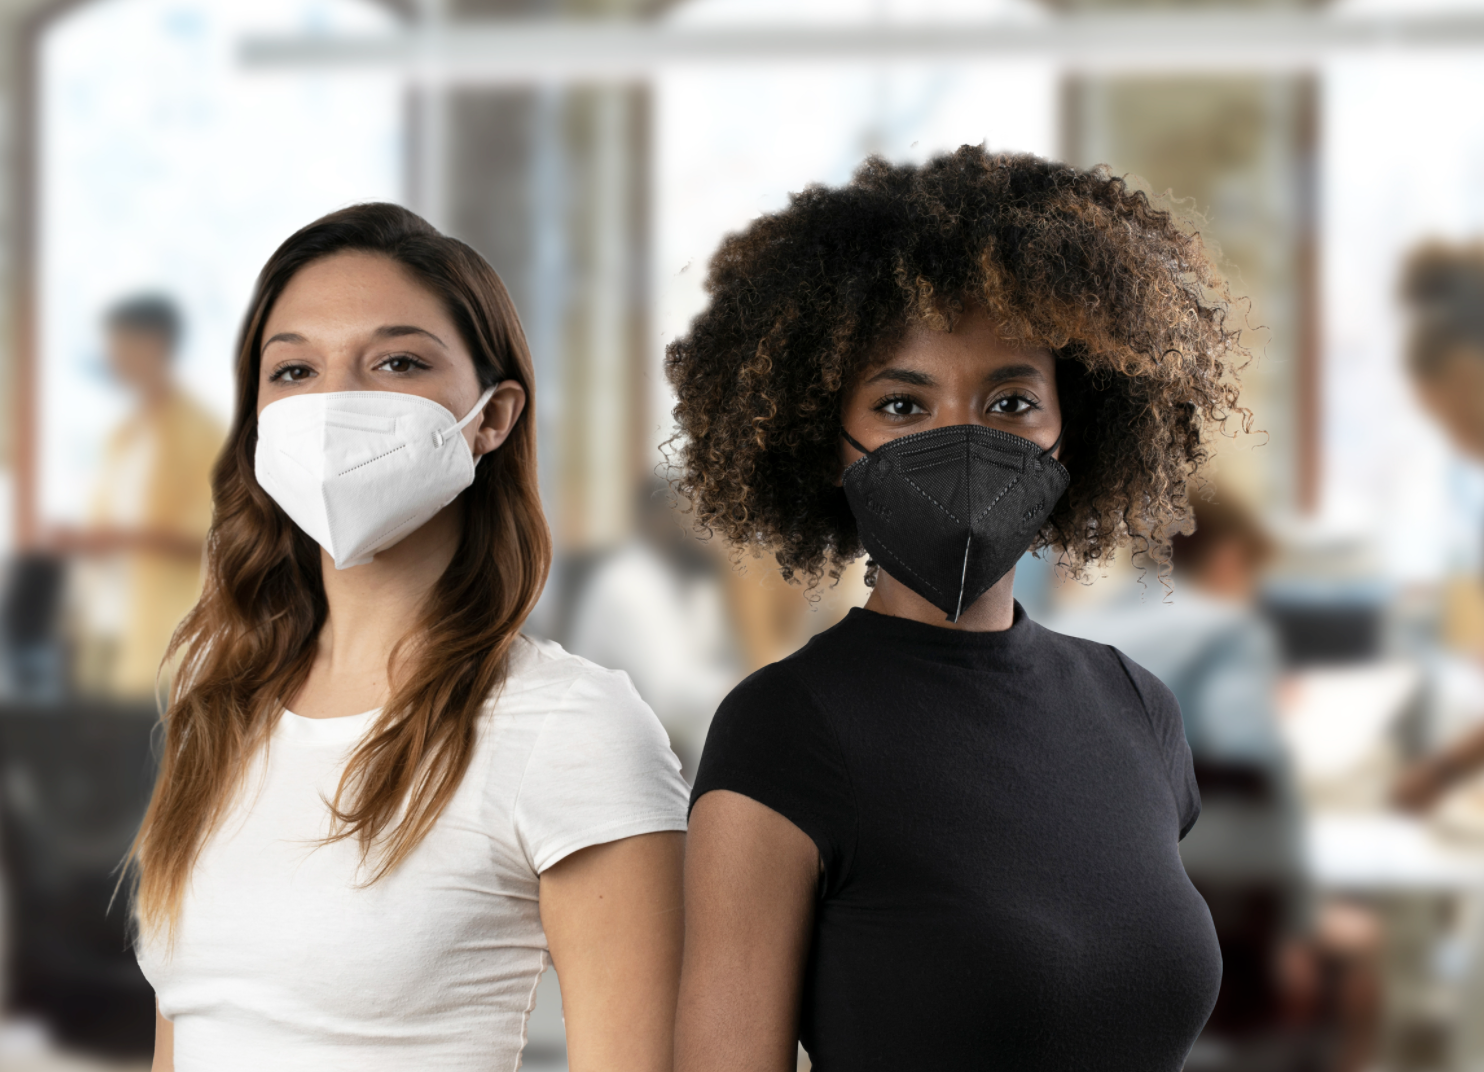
(283, 961)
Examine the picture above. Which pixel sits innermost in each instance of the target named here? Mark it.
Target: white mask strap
(476, 411)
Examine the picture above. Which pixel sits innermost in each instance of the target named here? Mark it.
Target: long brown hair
(248, 645)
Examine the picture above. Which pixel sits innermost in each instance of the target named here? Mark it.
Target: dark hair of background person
(1218, 522)
(805, 300)
(147, 314)
(1443, 288)
(249, 643)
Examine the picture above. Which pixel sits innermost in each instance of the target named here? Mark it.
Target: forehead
(973, 344)
(346, 290)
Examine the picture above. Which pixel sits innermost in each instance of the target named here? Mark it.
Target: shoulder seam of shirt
(525, 769)
(824, 711)
(484, 745)
(1159, 746)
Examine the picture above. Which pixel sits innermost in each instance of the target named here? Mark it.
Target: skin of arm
(1424, 783)
(751, 878)
(164, 1043)
(613, 920)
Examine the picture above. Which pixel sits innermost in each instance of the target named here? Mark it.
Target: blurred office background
(1324, 633)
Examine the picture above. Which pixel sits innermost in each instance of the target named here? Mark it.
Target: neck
(373, 608)
(154, 394)
(990, 613)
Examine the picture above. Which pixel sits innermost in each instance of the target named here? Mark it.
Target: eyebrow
(1015, 372)
(390, 331)
(284, 336)
(901, 375)
(922, 379)
(397, 331)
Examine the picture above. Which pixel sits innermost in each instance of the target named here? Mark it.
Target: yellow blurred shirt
(156, 477)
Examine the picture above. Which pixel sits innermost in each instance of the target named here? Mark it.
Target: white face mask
(359, 470)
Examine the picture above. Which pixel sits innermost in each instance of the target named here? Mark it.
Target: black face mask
(949, 511)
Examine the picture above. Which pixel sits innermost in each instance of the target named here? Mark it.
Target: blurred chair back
(30, 611)
(74, 782)
(1249, 909)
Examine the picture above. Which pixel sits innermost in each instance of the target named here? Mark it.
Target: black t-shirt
(998, 815)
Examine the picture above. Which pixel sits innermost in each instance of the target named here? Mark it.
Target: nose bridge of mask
(949, 466)
(890, 442)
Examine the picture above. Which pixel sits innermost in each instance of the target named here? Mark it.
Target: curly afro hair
(805, 300)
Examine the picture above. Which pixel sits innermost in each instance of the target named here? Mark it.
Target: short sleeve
(601, 769)
(771, 741)
(1169, 732)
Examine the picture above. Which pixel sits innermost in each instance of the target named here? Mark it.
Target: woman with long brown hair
(380, 808)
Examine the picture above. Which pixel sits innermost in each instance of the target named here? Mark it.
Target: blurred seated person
(1443, 290)
(1289, 964)
(655, 608)
(773, 619)
(150, 512)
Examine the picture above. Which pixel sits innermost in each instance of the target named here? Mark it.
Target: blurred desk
(1425, 889)
(1336, 720)
(1378, 853)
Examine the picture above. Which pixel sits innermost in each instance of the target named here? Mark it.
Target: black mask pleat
(949, 511)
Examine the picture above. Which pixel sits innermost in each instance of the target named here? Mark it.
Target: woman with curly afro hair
(940, 835)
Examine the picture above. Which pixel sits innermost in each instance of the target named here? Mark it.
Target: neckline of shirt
(325, 730)
(934, 642)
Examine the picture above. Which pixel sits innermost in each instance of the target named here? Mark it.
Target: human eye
(900, 406)
(290, 372)
(402, 364)
(1013, 404)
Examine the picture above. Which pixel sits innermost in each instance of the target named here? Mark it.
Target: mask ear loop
(853, 442)
(439, 437)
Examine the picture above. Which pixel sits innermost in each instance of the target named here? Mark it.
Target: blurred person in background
(656, 609)
(773, 618)
(1288, 965)
(150, 512)
(381, 810)
(940, 835)
(1443, 291)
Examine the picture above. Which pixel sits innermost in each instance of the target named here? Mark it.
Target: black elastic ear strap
(852, 441)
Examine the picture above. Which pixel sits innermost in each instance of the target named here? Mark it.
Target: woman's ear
(500, 414)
